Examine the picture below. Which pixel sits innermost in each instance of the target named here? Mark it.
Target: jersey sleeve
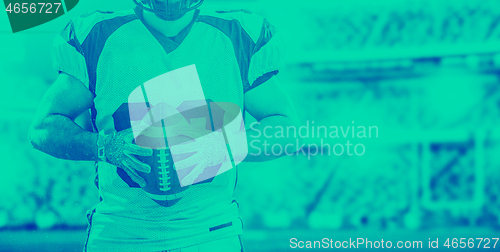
(267, 56)
(68, 55)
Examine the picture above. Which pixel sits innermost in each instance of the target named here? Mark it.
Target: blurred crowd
(407, 24)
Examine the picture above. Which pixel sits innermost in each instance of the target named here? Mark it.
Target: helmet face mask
(168, 10)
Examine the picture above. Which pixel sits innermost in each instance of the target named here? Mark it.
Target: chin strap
(165, 13)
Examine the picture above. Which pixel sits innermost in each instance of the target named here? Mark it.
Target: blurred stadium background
(425, 72)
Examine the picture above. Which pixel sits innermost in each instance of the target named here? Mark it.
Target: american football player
(101, 58)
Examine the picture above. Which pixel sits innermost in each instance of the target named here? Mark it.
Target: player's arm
(272, 107)
(54, 130)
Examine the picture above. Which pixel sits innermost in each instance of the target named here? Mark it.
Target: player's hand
(209, 150)
(119, 150)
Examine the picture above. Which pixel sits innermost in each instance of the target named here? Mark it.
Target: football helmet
(168, 9)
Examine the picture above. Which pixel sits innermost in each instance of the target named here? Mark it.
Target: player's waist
(113, 231)
(97, 244)
(198, 225)
(161, 218)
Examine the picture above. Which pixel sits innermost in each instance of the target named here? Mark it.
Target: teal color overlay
(398, 136)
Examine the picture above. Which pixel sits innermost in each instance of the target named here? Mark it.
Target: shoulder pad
(84, 24)
(251, 23)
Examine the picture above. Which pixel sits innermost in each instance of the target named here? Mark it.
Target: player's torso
(131, 56)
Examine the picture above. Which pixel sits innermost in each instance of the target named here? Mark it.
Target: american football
(163, 182)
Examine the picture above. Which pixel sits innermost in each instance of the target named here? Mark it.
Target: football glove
(119, 149)
(209, 150)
